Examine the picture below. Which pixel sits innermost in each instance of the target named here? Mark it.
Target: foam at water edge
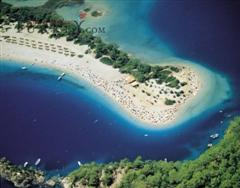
(128, 24)
(215, 91)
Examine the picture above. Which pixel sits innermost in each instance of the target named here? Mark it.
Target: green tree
(19, 26)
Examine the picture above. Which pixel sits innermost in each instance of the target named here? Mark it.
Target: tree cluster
(218, 167)
(46, 20)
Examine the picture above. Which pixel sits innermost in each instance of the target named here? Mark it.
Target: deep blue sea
(202, 31)
(61, 122)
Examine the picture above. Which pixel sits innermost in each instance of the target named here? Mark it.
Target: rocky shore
(25, 177)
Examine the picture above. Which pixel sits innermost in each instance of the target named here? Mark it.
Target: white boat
(146, 135)
(24, 68)
(221, 122)
(214, 136)
(165, 159)
(220, 111)
(95, 121)
(61, 76)
(209, 145)
(79, 163)
(25, 164)
(37, 162)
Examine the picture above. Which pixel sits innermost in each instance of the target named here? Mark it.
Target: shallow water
(62, 123)
(134, 27)
(126, 23)
(22, 3)
(58, 119)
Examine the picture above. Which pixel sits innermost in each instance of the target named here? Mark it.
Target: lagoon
(22, 3)
(56, 121)
(138, 29)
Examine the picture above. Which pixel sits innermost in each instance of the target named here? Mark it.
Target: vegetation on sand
(169, 102)
(46, 20)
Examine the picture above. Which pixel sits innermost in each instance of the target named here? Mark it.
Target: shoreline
(109, 81)
(17, 174)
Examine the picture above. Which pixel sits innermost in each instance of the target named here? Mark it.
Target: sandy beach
(144, 102)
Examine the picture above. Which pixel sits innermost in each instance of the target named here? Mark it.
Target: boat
(25, 164)
(37, 162)
(209, 145)
(24, 68)
(220, 111)
(61, 76)
(82, 15)
(145, 135)
(214, 136)
(95, 121)
(79, 163)
(221, 122)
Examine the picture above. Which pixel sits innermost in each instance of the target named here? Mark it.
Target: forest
(218, 166)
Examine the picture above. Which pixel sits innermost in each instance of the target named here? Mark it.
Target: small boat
(214, 136)
(220, 111)
(145, 135)
(25, 164)
(79, 163)
(229, 115)
(95, 121)
(61, 76)
(37, 162)
(24, 68)
(221, 122)
(82, 15)
(209, 145)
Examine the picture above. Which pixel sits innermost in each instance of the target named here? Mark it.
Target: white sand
(149, 110)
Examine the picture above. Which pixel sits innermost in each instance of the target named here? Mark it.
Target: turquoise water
(58, 119)
(63, 122)
(126, 23)
(22, 3)
(129, 24)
